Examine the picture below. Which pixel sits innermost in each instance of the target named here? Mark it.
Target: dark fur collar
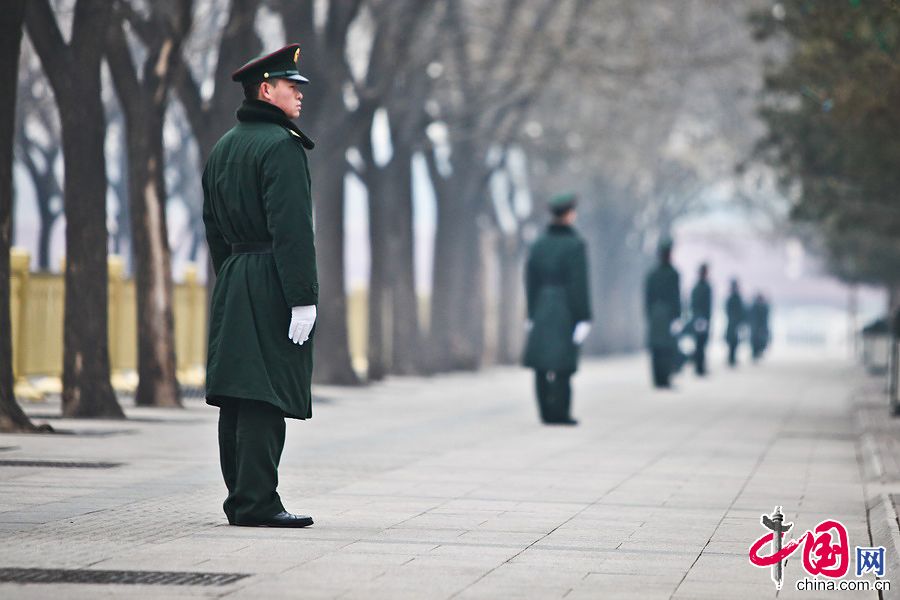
(257, 110)
(560, 229)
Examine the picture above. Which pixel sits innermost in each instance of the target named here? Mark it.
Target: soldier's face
(285, 94)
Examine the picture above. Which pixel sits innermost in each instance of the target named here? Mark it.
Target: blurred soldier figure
(737, 314)
(759, 326)
(257, 209)
(559, 310)
(662, 305)
(701, 312)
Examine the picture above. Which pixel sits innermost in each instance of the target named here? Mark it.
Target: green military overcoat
(256, 190)
(701, 307)
(758, 319)
(558, 297)
(662, 305)
(737, 314)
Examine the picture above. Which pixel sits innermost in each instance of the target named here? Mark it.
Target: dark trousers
(758, 349)
(661, 360)
(732, 353)
(251, 438)
(554, 395)
(700, 340)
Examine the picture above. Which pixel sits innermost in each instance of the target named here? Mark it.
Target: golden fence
(38, 302)
(37, 307)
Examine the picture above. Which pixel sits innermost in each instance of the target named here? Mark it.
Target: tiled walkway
(448, 487)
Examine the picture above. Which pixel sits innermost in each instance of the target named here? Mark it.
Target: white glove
(302, 320)
(582, 329)
(528, 325)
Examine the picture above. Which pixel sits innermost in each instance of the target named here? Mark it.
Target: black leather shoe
(566, 421)
(282, 519)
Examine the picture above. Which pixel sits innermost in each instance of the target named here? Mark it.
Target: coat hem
(218, 399)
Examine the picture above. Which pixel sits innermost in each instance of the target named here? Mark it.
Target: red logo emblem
(826, 549)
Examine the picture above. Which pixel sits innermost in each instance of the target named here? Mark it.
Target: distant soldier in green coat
(701, 313)
(559, 310)
(737, 314)
(257, 209)
(758, 318)
(662, 306)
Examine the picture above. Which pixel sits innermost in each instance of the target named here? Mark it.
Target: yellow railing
(358, 324)
(37, 305)
(38, 302)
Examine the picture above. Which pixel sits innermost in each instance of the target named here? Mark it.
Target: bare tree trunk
(39, 153)
(210, 119)
(489, 255)
(379, 288)
(46, 229)
(510, 299)
(74, 73)
(406, 335)
(893, 298)
(333, 363)
(144, 104)
(394, 332)
(86, 387)
(121, 240)
(378, 305)
(457, 311)
(457, 315)
(46, 189)
(47, 186)
(152, 264)
(397, 83)
(445, 278)
(12, 418)
(158, 385)
(446, 272)
(395, 339)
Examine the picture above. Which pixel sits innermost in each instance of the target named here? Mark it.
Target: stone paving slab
(447, 487)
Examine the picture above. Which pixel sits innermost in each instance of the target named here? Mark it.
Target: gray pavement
(447, 487)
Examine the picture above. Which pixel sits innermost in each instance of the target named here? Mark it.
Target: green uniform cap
(562, 202)
(665, 244)
(281, 64)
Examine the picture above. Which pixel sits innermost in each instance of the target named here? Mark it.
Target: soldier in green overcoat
(662, 306)
(701, 313)
(737, 314)
(559, 310)
(758, 318)
(257, 208)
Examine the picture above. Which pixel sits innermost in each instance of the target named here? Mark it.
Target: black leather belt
(252, 248)
(553, 281)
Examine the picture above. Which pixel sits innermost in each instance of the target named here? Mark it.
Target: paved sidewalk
(448, 487)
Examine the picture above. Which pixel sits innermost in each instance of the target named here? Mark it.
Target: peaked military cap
(562, 202)
(665, 244)
(281, 64)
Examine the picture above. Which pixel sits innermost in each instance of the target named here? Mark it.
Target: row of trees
(505, 102)
(832, 117)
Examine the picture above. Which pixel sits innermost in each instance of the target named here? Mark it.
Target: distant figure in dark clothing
(701, 313)
(737, 314)
(662, 305)
(559, 310)
(759, 326)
